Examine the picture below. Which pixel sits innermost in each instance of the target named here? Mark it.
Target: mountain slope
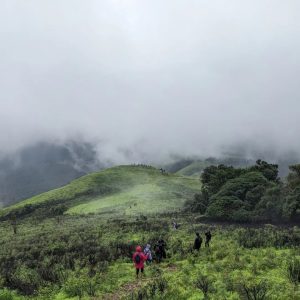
(44, 166)
(129, 190)
(194, 169)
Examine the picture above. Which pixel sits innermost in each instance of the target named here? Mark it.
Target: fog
(146, 79)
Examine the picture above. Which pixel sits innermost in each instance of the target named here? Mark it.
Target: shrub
(293, 270)
(6, 295)
(24, 279)
(254, 291)
(75, 286)
(204, 283)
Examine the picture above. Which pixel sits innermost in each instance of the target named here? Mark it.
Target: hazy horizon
(151, 79)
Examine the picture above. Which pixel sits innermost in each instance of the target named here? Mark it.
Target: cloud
(150, 78)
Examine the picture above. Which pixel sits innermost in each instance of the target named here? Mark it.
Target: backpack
(157, 249)
(198, 242)
(137, 259)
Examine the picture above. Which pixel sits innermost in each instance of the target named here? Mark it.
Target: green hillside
(128, 190)
(77, 242)
(196, 166)
(194, 169)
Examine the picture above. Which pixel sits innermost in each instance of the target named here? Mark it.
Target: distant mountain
(42, 167)
(194, 167)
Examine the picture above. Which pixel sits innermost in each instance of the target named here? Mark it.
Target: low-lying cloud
(146, 79)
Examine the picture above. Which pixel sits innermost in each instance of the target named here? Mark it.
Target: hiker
(175, 225)
(148, 253)
(208, 238)
(139, 258)
(158, 254)
(198, 242)
(162, 247)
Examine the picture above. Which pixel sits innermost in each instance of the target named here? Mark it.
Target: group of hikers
(140, 256)
(198, 240)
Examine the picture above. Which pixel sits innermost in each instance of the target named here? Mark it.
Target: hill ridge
(120, 186)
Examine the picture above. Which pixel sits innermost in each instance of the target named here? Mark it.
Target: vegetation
(77, 242)
(194, 169)
(85, 257)
(129, 190)
(248, 194)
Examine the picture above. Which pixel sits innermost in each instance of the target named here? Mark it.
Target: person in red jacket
(139, 258)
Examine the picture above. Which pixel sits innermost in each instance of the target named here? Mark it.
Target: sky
(150, 78)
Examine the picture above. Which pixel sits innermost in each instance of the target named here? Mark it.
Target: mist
(145, 80)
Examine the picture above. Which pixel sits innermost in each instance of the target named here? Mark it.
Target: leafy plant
(293, 270)
(204, 283)
(255, 291)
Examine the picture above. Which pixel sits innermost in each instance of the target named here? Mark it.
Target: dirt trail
(126, 289)
(131, 287)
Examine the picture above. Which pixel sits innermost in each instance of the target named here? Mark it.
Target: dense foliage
(249, 194)
(83, 257)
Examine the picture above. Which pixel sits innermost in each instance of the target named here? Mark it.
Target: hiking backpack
(137, 259)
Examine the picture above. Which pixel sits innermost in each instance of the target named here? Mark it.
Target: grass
(194, 169)
(153, 194)
(114, 190)
(226, 266)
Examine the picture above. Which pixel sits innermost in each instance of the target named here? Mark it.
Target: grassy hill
(128, 190)
(194, 169)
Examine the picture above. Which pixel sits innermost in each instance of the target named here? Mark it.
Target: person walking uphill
(139, 258)
(148, 253)
(208, 238)
(160, 250)
(198, 242)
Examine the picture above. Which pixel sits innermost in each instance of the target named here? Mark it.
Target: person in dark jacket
(208, 238)
(160, 251)
(198, 242)
(162, 246)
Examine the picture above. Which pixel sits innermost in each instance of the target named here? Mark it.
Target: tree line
(253, 194)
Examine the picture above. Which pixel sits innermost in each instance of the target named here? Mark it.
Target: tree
(214, 177)
(270, 171)
(238, 197)
(293, 179)
(291, 206)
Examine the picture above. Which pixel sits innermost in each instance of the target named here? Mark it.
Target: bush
(293, 270)
(267, 237)
(254, 291)
(75, 286)
(204, 283)
(6, 295)
(24, 279)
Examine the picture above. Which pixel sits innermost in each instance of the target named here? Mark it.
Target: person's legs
(158, 257)
(137, 273)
